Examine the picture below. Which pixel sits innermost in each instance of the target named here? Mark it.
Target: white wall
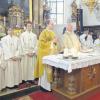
(90, 19)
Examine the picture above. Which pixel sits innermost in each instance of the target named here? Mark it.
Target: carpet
(24, 98)
(26, 85)
(39, 95)
(95, 97)
(42, 96)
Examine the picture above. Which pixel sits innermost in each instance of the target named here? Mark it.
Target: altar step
(13, 94)
(10, 94)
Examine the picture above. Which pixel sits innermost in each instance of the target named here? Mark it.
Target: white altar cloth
(84, 60)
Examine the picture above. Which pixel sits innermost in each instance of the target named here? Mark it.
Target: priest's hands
(55, 40)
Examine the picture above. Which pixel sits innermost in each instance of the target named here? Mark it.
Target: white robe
(43, 82)
(28, 44)
(11, 48)
(2, 70)
(87, 43)
(97, 43)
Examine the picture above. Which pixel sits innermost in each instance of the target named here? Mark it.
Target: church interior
(59, 40)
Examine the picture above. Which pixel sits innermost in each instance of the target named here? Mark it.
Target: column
(30, 10)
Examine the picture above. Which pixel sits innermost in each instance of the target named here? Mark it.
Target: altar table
(74, 77)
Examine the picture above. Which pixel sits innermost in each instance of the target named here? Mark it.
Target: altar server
(46, 45)
(11, 49)
(29, 48)
(2, 69)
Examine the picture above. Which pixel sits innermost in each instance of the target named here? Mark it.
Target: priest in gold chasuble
(46, 46)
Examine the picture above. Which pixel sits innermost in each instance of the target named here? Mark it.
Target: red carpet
(24, 85)
(42, 96)
(95, 97)
(39, 95)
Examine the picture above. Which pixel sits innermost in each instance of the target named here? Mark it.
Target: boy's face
(29, 27)
(10, 32)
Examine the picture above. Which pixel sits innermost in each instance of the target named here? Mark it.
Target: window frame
(56, 13)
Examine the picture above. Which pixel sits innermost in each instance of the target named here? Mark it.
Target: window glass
(57, 10)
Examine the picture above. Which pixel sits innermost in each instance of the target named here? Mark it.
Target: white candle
(66, 52)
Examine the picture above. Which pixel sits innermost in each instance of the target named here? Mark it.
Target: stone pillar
(41, 12)
(38, 11)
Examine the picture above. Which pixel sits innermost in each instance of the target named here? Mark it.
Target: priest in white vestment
(2, 69)
(11, 49)
(28, 44)
(71, 41)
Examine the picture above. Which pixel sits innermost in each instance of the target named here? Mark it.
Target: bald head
(69, 27)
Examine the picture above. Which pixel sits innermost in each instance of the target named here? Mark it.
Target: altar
(74, 77)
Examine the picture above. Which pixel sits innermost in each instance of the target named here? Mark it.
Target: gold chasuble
(44, 49)
(71, 41)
